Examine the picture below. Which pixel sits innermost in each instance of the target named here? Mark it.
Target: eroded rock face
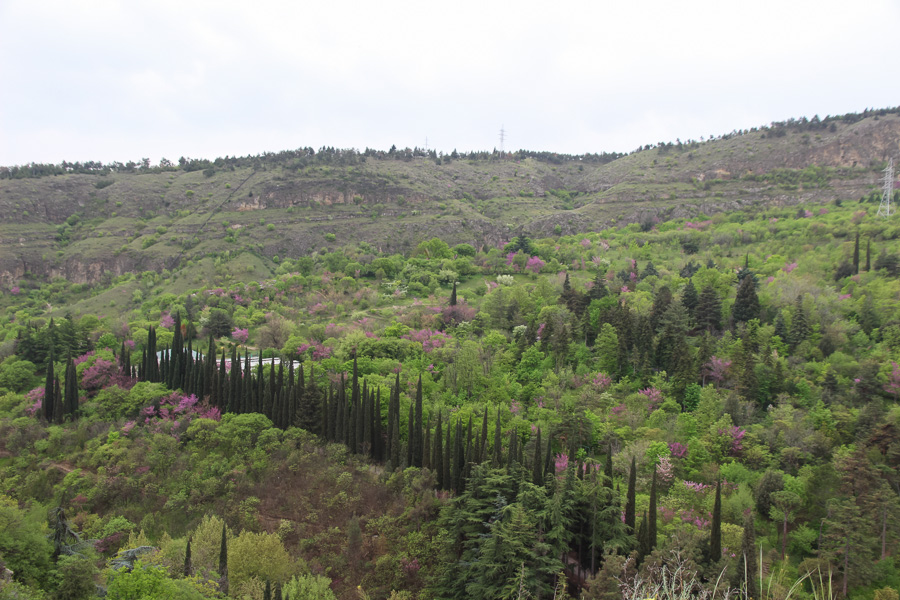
(85, 227)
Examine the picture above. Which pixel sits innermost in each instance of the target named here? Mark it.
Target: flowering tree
(535, 265)
(240, 335)
(716, 370)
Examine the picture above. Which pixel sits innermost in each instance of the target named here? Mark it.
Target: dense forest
(670, 409)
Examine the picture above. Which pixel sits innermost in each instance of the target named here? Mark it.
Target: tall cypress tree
(715, 529)
(747, 567)
(856, 254)
(482, 447)
(416, 432)
(223, 562)
(868, 254)
(453, 295)
(267, 591)
(410, 436)
(377, 434)
(651, 522)
(630, 498)
(395, 425)
(71, 388)
(188, 565)
(458, 458)
(439, 452)
(58, 409)
(498, 444)
(537, 473)
(448, 480)
(47, 403)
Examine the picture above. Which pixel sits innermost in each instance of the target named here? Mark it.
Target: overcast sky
(121, 80)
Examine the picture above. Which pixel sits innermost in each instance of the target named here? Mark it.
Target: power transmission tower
(884, 209)
(502, 138)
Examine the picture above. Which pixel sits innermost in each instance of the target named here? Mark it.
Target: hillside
(88, 226)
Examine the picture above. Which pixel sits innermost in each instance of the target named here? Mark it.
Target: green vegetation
(674, 407)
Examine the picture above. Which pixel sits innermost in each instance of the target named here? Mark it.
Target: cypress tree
(498, 443)
(188, 566)
(868, 254)
(352, 440)
(482, 447)
(448, 481)
(233, 391)
(378, 433)
(389, 436)
(439, 453)
(651, 522)
(71, 388)
(223, 562)
(416, 433)
(267, 591)
(747, 569)
(513, 455)
(715, 529)
(548, 460)
(410, 435)
(368, 417)
(457, 458)
(856, 254)
(47, 404)
(453, 295)
(608, 469)
(537, 474)
(643, 540)
(326, 415)
(219, 391)
(630, 498)
(426, 447)
(395, 425)
(278, 595)
(58, 409)
(246, 403)
(467, 460)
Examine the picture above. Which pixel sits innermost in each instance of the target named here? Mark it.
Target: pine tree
(708, 313)
(746, 302)
(689, 297)
(630, 499)
(715, 529)
(608, 469)
(799, 324)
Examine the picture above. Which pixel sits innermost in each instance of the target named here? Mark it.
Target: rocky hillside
(87, 226)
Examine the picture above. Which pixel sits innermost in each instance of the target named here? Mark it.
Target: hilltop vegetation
(636, 373)
(599, 376)
(89, 222)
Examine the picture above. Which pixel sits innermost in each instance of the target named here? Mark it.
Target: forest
(703, 408)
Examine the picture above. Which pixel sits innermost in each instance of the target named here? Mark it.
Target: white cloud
(118, 80)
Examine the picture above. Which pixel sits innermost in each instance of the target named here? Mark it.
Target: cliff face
(86, 227)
